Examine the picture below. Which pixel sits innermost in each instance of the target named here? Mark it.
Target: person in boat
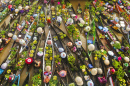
(11, 77)
(59, 20)
(47, 74)
(78, 45)
(11, 16)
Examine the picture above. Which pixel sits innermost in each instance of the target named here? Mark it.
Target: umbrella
(60, 49)
(79, 81)
(62, 73)
(100, 27)
(105, 29)
(87, 28)
(29, 60)
(35, 15)
(70, 21)
(40, 53)
(59, 19)
(63, 55)
(94, 71)
(110, 53)
(69, 44)
(10, 6)
(79, 43)
(4, 66)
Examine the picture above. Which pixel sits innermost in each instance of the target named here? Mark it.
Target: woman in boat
(59, 20)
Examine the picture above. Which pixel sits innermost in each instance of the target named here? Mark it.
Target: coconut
(87, 28)
(14, 37)
(39, 30)
(79, 81)
(106, 62)
(4, 66)
(94, 71)
(110, 53)
(126, 59)
(91, 47)
(99, 71)
(10, 35)
(48, 68)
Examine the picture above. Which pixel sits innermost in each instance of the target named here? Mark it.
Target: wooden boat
(48, 54)
(73, 67)
(119, 9)
(60, 50)
(124, 42)
(80, 22)
(3, 14)
(27, 37)
(106, 16)
(19, 72)
(9, 62)
(98, 63)
(6, 34)
(91, 37)
(125, 28)
(38, 61)
(65, 14)
(104, 58)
